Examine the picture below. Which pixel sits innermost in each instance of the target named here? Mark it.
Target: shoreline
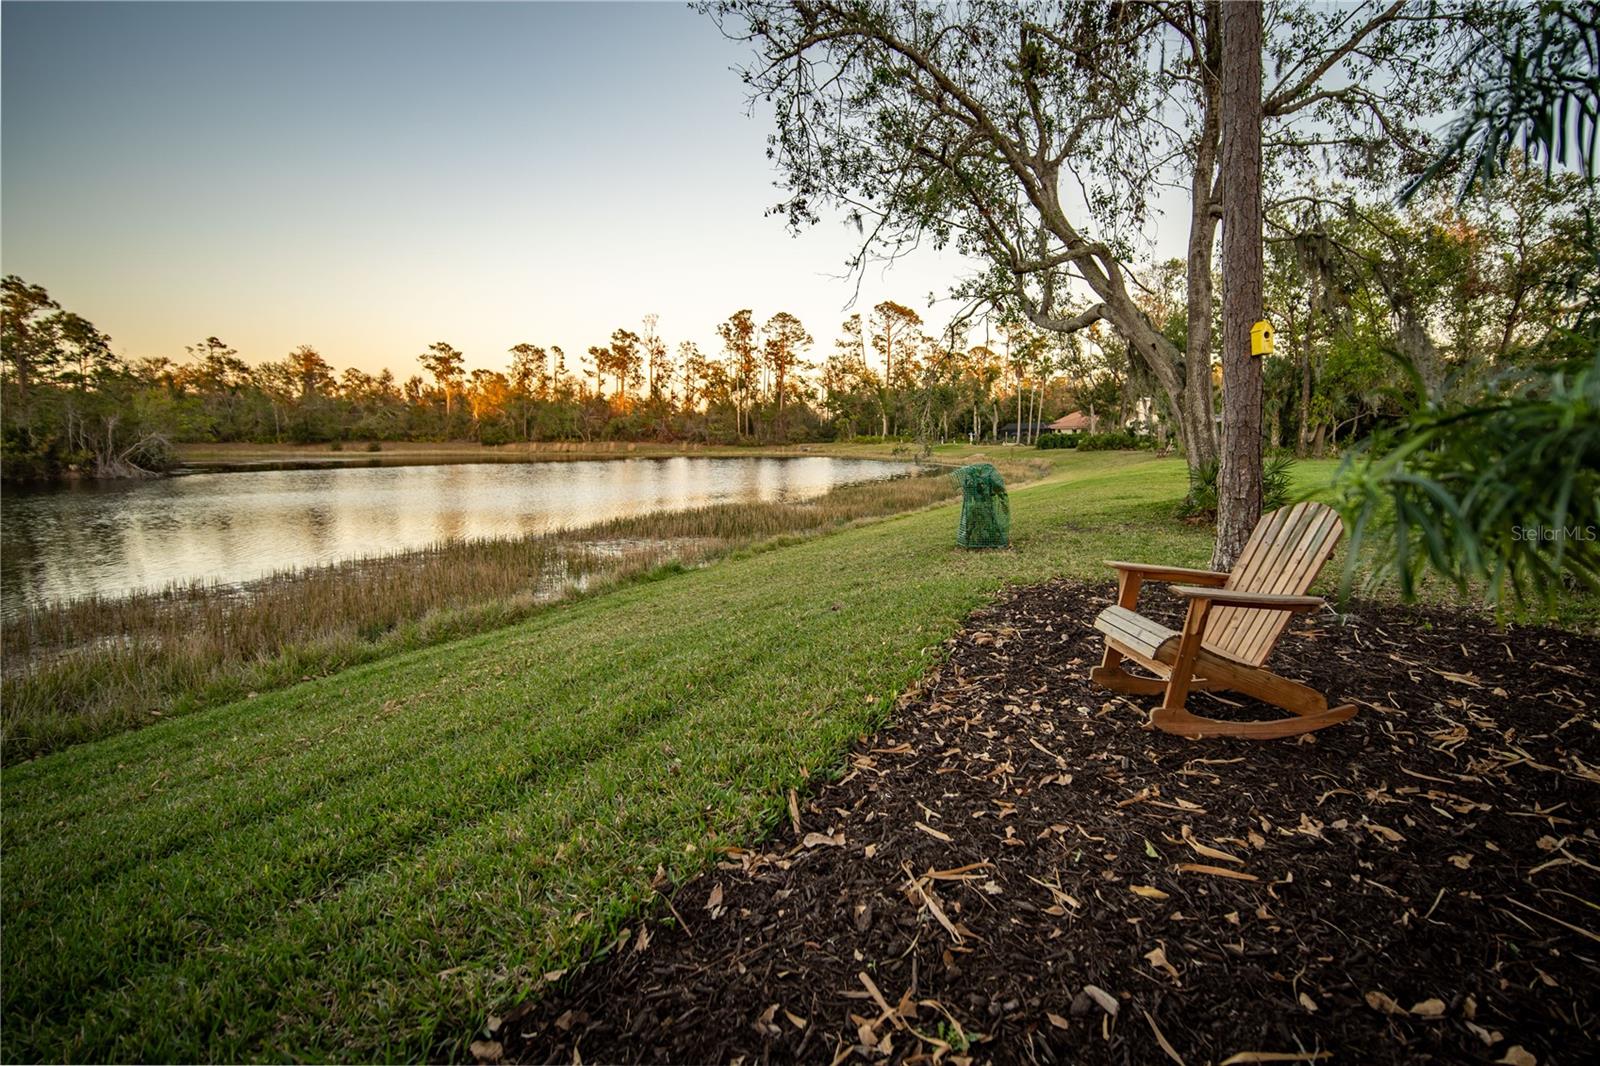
(218, 458)
(244, 458)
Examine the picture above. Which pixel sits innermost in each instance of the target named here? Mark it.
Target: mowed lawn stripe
(440, 892)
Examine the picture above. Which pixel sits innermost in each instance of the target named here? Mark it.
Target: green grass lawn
(365, 865)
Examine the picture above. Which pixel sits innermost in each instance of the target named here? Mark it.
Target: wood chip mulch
(1015, 870)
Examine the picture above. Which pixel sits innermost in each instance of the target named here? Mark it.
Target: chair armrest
(1170, 573)
(1267, 601)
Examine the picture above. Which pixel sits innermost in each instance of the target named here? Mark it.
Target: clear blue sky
(369, 178)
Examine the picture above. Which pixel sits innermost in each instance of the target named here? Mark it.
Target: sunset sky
(370, 178)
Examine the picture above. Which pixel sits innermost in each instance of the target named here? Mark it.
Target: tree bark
(1239, 480)
(1194, 411)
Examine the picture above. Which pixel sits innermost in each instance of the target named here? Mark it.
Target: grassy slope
(363, 866)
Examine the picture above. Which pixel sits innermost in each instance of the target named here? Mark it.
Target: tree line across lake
(1371, 305)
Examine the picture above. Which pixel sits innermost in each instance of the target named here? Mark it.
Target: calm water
(230, 527)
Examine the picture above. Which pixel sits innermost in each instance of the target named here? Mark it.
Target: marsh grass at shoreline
(95, 666)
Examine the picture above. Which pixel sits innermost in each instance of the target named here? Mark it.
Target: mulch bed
(1016, 870)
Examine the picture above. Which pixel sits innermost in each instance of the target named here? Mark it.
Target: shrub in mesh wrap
(985, 508)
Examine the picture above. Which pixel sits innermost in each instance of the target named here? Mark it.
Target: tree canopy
(1035, 138)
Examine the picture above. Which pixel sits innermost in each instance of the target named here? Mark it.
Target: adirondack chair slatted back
(1286, 551)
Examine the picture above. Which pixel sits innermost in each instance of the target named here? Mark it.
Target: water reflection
(71, 542)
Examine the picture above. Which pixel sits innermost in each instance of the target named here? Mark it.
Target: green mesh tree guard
(985, 508)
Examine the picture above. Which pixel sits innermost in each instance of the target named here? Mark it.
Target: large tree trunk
(1239, 481)
(1197, 423)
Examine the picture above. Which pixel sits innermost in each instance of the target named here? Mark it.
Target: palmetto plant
(1201, 502)
(1503, 494)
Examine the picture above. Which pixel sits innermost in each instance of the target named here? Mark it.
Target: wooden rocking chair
(1233, 622)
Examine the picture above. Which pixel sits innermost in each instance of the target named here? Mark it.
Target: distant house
(1020, 431)
(1074, 422)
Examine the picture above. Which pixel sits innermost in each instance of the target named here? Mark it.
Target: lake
(110, 539)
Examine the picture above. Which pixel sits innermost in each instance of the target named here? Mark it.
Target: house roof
(1073, 421)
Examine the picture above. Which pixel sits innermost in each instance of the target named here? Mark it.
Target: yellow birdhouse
(1261, 338)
